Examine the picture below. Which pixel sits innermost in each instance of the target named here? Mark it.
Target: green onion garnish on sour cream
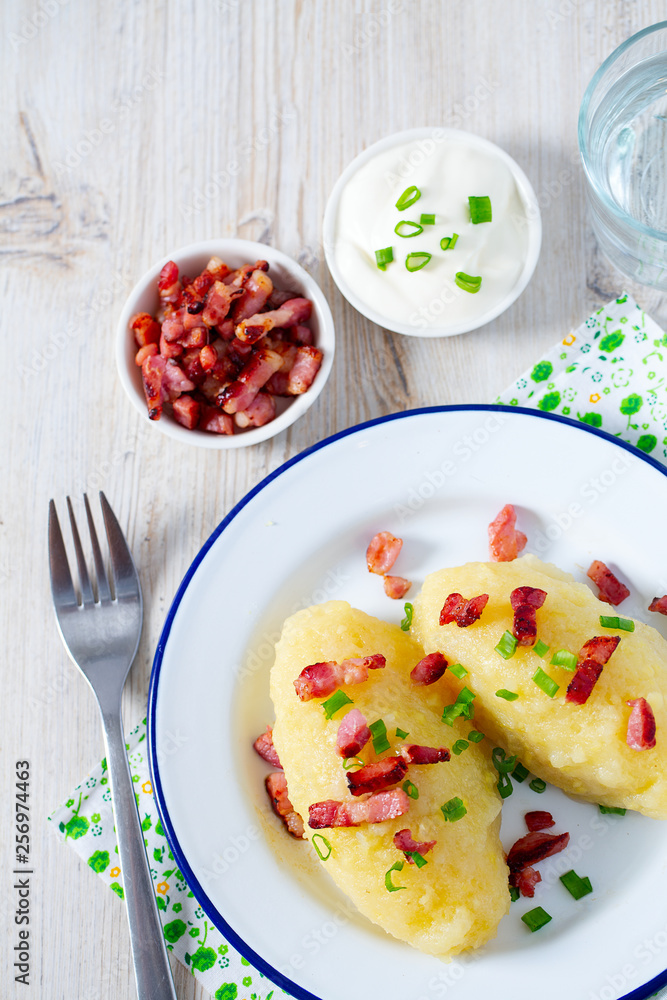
(384, 257)
(480, 209)
(427, 220)
(406, 229)
(468, 282)
(409, 197)
(448, 242)
(415, 261)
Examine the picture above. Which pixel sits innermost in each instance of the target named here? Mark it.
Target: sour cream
(447, 166)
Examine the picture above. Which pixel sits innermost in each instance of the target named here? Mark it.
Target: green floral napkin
(86, 822)
(610, 373)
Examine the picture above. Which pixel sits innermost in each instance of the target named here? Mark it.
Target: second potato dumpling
(454, 901)
(583, 747)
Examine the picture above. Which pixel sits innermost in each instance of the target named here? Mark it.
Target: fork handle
(149, 952)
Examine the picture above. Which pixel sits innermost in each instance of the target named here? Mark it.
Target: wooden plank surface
(121, 124)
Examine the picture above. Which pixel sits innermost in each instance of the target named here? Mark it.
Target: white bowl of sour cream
(417, 294)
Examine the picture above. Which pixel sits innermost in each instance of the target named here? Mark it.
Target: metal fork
(101, 630)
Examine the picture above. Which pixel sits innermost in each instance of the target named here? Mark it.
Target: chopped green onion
(575, 885)
(409, 197)
(401, 733)
(480, 209)
(467, 282)
(460, 746)
(453, 809)
(410, 790)
(507, 645)
(384, 257)
(520, 773)
(350, 762)
(413, 229)
(545, 683)
(504, 785)
(397, 867)
(536, 918)
(458, 670)
(514, 893)
(418, 858)
(451, 712)
(379, 734)
(507, 695)
(407, 621)
(625, 624)
(538, 785)
(465, 696)
(448, 242)
(541, 648)
(327, 845)
(415, 261)
(612, 809)
(501, 762)
(475, 737)
(563, 658)
(335, 703)
(427, 220)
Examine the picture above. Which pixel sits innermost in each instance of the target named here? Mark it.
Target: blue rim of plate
(276, 977)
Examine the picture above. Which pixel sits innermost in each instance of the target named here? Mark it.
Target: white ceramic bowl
(286, 274)
(532, 221)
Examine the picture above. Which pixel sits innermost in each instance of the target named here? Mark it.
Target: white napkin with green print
(86, 822)
(610, 373)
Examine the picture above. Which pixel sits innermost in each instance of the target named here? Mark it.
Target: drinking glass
(623, 145)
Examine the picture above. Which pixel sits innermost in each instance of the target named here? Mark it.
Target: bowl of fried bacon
(225, 343)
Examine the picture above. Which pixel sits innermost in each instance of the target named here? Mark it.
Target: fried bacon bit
(254, 295)
(375, 809)
(148, 351)
(382, 552)
(276, 786)
(146, 330)
(526, 601)
(464, 613)
(214, 421)
(539, 820)
(535, 847)
(429, 670)
(240, 394)
(353, 734)
(396, 587)
(591, 659)
(376, 776)
(187, 411)
(261, 411)
(641, 725)
(152, 373)
(265, 748)
(168, 285)
(303, 371)
(416, 754)
(612, 591)
(321, 679)
(404, 841)
(505, 542)
(525, 881)
(659, 604)
(291, 313)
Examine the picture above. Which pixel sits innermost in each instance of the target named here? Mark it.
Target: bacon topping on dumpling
(464, 613)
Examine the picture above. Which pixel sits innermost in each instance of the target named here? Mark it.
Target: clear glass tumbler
(623, 145)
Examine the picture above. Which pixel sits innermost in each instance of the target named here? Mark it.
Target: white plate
(435, 477)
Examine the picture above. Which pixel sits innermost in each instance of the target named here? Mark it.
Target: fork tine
(126, 578)
(103, 592)
(62, 586)
(84, 579)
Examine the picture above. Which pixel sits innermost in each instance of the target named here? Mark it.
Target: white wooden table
(119, 123)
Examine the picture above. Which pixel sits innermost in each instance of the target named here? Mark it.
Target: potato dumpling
(580, 748)
(456, 900)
